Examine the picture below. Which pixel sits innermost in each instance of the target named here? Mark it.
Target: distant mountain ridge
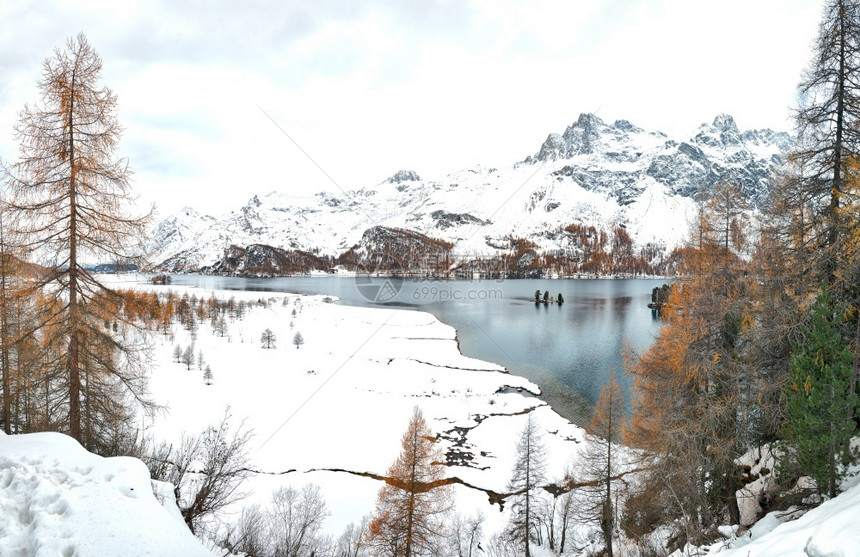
(608, 177)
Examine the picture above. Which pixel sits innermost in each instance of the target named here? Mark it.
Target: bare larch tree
(72, 197)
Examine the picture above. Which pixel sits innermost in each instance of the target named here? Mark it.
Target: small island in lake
(547, 299)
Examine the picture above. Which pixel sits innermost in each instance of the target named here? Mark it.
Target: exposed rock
(445, 219)
(260, 260)
(386, 249)
(404, 176)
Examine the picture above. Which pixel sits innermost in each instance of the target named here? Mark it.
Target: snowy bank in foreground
(59, 499)
(830, 530)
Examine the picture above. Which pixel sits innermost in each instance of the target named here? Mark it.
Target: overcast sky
(220, 102)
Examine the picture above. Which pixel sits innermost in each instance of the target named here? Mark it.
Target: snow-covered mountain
(593, 174)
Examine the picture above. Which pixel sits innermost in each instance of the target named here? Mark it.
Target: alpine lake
(568, 349)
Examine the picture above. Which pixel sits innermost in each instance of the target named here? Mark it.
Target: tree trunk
(410, 513)
(74, 341)
(528, 495)
(836, 190)
(607, 508)
(4, 340)
(731, 498)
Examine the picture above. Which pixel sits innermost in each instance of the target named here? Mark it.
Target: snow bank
(59, 499)
(830, 530)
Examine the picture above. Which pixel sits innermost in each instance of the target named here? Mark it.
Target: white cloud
(368, 88)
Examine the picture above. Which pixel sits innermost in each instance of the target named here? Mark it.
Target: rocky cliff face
(593, 174)
(384, 249)
(260, 260)
(615, 159)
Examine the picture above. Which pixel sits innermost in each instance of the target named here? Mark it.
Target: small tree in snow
(200, 361)
(207, 470)
(177, 353)
(268, 339)
(298, 339)
(600, 462)
(465, 534)
(188, 356)
(207, 375)
(221, 327)
(529, 473)
(296, 519)
(192, 326)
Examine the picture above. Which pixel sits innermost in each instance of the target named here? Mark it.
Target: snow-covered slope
(830, 530)
(58, 499)
(594, 174)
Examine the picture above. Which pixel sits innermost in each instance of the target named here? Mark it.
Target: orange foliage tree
(694, 401)
(71, 196)
(412, 505)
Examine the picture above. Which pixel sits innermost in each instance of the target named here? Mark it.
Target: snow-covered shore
(343, 399)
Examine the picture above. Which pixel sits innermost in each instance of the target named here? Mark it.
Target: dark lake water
(569, 349)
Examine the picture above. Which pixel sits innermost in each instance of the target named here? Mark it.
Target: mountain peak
(404, 176)
(626, 126)
(580, 138)
(588, 120)
(189, 213)
(725, 123)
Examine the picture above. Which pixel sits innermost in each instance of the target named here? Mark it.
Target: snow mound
(59, 499)
(830, 530)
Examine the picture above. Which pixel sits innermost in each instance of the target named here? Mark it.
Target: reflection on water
(569, 349)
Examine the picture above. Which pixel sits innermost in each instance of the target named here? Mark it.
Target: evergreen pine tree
(819, 400)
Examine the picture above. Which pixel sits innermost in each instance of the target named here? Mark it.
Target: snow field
(343, 400)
